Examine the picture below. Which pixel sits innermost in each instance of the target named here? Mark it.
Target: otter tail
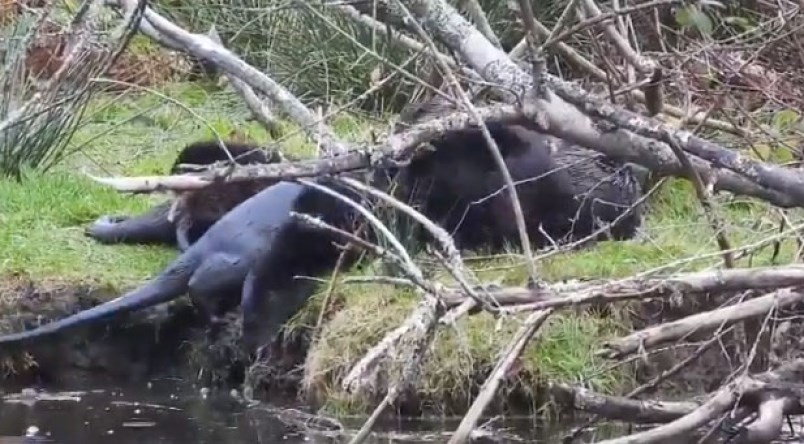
(169, 285)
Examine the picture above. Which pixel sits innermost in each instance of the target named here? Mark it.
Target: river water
(173, 412)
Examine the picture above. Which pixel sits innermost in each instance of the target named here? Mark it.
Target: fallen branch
(619, 408)
(685, 425)
(557, 117)
(259, 108)
(413, 347)
(202, 47)
(489, 389)
(773, 394)
(686, 284)
(647, 67)
(410, 340)
(567, 111)
(755, 392)
(398, 148)
(652, 384)
(572, 56)
(653, 336)
(401, 147)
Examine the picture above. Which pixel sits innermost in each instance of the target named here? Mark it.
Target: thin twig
(454, 264)
(704, 197)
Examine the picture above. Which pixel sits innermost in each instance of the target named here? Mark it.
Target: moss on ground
(42, 222)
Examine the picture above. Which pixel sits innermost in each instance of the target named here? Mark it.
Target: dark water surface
(170, 411)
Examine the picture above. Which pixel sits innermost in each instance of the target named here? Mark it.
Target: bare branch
(650, 337)
(479, 17)
(618, 408)
(572, 56)
(648, 68)
(716, 405)
(511, 354)
(686, 284)
(558, 115)
(454, 258)
(203, 47)
(493, 149)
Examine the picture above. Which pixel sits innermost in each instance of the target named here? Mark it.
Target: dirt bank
(143, 345)
(132, 350)
(164, 341)
(171, 341)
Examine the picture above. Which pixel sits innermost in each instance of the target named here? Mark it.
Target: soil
(164, 341)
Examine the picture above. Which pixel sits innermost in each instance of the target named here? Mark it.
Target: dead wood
(619, 408)
(553, 115)
(685, 284)
(529, 327)
(701, 322)
(781, 391)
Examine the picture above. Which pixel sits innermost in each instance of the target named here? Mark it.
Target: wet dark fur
(460, 186)
(585, 192)
(606, 189)
(195, 211)
(255, 251)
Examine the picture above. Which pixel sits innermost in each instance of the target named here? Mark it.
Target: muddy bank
(170, 341)
(164, 341)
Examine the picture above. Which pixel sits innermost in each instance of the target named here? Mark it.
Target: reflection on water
(172, 412)
(164, 413)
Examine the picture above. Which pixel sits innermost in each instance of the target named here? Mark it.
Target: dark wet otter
(191, 213)
(258, 248)
(586, 191)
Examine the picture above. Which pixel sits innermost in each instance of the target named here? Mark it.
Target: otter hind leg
(266, 306)
(151, 227)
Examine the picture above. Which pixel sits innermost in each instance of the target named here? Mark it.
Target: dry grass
(459, 358)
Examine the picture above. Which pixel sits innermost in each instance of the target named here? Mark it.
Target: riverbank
(50, 269)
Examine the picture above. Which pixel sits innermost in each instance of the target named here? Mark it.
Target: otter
(460, 187)
(258, 248)
(191, 213)
(570, 194)
(258, 243)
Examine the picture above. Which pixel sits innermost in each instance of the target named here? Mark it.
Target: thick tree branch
(653, 336)
(203, 47)
(561, 115)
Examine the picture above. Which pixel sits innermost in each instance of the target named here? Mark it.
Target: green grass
(458, 356)
(42, 221)
(41, 233)
(43, 217)
(675, 230)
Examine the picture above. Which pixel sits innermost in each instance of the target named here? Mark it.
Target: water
(174, 412)
(164, 413)
(170, 411)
